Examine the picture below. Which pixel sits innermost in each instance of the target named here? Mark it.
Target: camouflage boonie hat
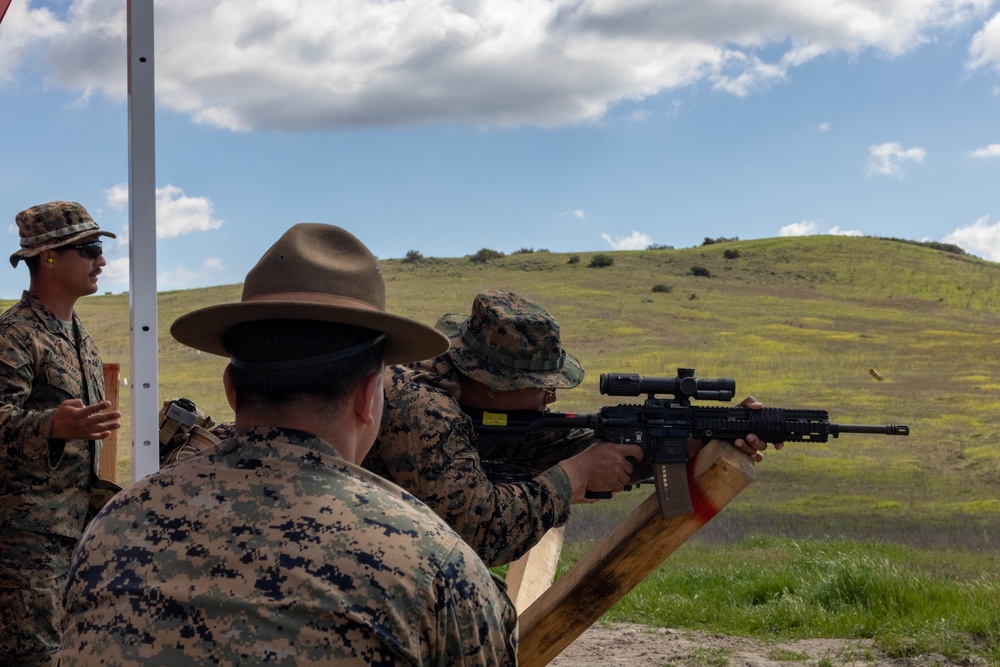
(51, 225)
(509, 342)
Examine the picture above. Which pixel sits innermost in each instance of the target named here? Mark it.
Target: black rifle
(662, 426)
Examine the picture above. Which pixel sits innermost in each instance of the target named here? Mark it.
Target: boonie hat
(509, 342)
(50, 225)
(313, 272)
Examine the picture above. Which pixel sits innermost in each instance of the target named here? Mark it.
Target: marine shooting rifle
(662, 425)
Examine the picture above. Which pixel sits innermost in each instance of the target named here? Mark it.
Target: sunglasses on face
(91, 250)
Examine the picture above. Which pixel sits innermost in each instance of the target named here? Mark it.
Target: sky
(448, 126)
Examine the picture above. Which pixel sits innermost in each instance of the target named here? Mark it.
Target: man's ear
(364, 397)
(227, 383)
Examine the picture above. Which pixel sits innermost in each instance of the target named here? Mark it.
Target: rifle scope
(685, 385)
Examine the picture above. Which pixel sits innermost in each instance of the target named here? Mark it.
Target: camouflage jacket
(44, 483)
(270, 548)
(427, 446)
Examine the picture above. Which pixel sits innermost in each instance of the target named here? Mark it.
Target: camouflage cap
(509, 342)
(51, 225)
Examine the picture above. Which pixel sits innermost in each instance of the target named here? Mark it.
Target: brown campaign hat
(509, 342)
(50, 225)
(313, 272)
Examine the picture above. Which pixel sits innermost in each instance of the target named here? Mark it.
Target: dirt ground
(635, 645)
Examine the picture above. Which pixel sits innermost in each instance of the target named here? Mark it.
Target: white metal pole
(142, 239)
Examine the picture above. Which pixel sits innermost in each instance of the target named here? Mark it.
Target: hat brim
(502, 378)
(406, 340)
(25, 253)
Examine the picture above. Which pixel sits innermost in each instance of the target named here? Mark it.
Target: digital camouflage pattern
(51, 225)
(270, 548)
(45, 485)
(427, 445)
(509, 342)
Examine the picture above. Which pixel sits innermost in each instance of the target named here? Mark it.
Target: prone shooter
(661, 425)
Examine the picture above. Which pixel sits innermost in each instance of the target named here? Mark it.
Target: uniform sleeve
(24, 433)
(427, 447)
(475, 622)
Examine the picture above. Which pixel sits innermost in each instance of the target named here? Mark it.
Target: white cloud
(182, 277)
(980, 238)
(984, 49)
(804, 228)
(824, 127)
(813, 227)
(576, 213)
(176, 214)
(117, 196)
(637, 241)
(993, 150)
(23, 29)
(884, 159)
(837, 231)
(314, 63)
(114, 276)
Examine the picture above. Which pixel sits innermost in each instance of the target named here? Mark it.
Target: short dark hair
(283, 340)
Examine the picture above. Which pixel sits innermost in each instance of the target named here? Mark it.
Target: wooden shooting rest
(551, 615)
(108, 461)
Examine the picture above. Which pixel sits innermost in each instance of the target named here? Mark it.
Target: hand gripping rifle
(662, 425)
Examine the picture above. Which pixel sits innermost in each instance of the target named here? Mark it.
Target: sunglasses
(91, 250)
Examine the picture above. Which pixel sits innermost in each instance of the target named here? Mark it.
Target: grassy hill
(798, 322)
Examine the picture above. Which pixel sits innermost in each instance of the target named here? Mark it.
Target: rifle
(662, 425)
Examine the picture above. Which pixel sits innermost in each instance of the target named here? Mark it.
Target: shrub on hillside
(600, 260)
(701, 271)
(523, 251)
(413, 257)
(662, 289)
(720, 239)
(485, 255)
(573, 259)
(731, 253)
(937, 245)
(657, 246)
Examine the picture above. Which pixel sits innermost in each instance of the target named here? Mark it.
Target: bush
(523, 251)
(720, 239)
(573, 259)
(601, 259)
(663, 289)
(731, 254)
(413, 256)
(701, 271)
(657, 246)
(485, 255)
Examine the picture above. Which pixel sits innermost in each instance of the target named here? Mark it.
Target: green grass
(798, 322)
(908, 601)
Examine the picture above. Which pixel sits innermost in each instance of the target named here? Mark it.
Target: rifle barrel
(881, 429)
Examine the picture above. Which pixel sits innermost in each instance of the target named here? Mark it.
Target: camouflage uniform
(271, 548)
(45, 484)
(427, 445)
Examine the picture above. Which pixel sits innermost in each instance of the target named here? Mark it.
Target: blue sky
(446, 126)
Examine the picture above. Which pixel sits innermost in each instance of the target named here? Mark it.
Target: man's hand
(602, 467)
(73, 420)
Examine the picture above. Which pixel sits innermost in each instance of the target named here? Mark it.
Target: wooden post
(108, 463)
(532, 574)
(627, 554)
